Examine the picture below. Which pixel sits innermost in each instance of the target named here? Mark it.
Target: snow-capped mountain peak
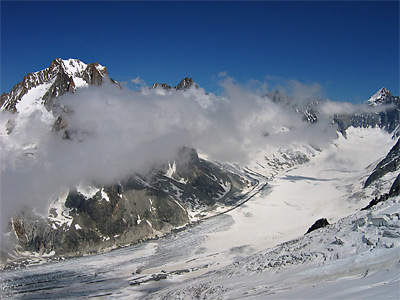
(76, 68)
(60, 77)
(379, 97)
(72, 67)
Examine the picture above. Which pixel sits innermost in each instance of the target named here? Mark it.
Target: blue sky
(350, 48)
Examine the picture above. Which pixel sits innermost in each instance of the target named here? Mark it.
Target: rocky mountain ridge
(386, 115)
(92, 217)
(62, 76)
(390, 163)
(184, 84)
(387, 118)
(308, 108)
(383, 96)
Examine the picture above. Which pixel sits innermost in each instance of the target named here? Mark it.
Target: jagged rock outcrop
(61, 77)
(388, 118)
(309, 109)
(394, 191)
(95, 74)
(390, 163)
(184, 84)
(90, 218)
(383, 96)
(395, 188)
(161, 85)
(198, 183)
(318, 224)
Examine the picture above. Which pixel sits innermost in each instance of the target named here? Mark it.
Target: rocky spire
(184, 84)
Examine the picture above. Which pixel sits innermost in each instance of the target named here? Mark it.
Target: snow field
(295, 199)
(249, 253)
(346, 260)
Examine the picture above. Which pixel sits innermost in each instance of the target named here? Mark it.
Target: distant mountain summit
(89, 217)
(63, 76)
(388, 117)
(307, 108)
(380, 97)
(43, 86)
(184, 84)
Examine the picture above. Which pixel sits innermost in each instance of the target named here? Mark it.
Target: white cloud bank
(117, 132)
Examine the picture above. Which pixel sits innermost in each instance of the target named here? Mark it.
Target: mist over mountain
(88, 165)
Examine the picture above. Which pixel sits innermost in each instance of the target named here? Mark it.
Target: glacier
(258, 250)
(240, 233)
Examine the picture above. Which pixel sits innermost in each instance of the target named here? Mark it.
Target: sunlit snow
(258, 250)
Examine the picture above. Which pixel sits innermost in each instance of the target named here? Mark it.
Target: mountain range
(92, 217)
(174, 195)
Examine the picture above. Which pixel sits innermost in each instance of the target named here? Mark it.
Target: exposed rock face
(394, 191)
(92, 218)
(318, 224)
(395, 188)
(117, 215)
(86, 219)
(94, 74)
(62, 75)
(390, 163)
(162, 85)
(381, 97)
(388, 118)
(8, 101)
(95, 217)
(184, 84)
(309, 109)
(198, 183)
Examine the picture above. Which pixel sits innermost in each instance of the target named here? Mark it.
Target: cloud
(138, 81)
(117, 132)
(331, 108)
(300, 92)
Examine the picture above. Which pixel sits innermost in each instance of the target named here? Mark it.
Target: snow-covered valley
(257, 251)
(213, 194)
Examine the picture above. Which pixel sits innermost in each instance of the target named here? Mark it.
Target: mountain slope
(389, 164)
(184, 84)
(42, 87)
(92, 216)
(253, 251)
(355, 257)
(257, 250)
(168, 195)
(381, 110)
(388, 117)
